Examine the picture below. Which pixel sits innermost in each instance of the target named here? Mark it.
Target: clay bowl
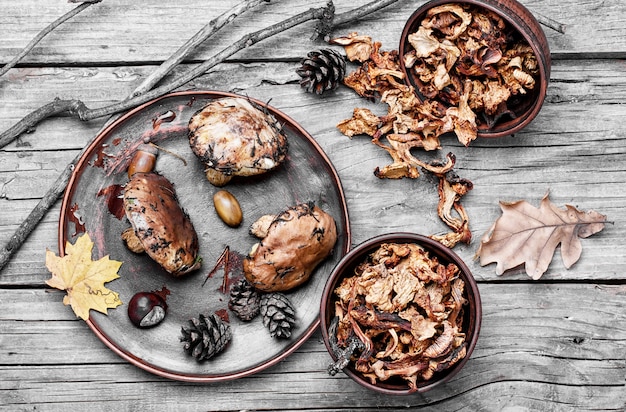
(525, 27)
(472, 311)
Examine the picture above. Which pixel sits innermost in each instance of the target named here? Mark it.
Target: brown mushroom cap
(294, 243)
(234, 137)
(161, 225)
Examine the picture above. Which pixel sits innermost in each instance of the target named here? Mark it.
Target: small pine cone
(321, 70)
(205, 336)
(278, 313)
(244, 300)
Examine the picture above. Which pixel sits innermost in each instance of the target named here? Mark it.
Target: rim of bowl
(355, 256)
(524, 24)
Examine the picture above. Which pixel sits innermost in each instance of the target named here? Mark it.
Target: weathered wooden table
(554, 344)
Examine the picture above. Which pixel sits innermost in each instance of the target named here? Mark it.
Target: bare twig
(245, 42)
(550, 23)
(83, 113)
(50, 198)
(374, 6)
(360, 12)
(45, 32)
(326, 26)
(78, 108)
(35, 216)
(206, 32)
(86, 114)
(55, 107)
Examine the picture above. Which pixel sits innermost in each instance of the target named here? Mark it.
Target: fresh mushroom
(292, 244)
(233, 136)
(160, 227)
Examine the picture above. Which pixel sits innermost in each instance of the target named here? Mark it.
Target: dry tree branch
(45, 32)
(550, 23)
(360, 12)
(38, 212)
(28, 122)
(206, 32)
(243, 43)
(78, 108)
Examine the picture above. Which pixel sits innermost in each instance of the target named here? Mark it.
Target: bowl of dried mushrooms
(400, 314)
(488, 61)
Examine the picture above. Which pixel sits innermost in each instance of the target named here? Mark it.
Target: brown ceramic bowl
(471, 316)
(526, 25)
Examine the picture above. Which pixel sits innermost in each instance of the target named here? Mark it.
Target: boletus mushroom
(233, 136)
(292, 244)
(160, 227)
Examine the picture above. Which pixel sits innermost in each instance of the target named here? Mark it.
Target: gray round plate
(90, 205)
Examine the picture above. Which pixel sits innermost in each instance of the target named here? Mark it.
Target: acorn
(227, 208)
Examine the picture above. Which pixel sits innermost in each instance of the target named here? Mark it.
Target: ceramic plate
(91, 205)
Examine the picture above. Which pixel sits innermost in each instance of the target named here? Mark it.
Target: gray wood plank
(115, 31)
(540, 345)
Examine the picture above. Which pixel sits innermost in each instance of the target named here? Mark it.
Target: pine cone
(321, 70)
(244, 300)
(278, 313)
(205, 336)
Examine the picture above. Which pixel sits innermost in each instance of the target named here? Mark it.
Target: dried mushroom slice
(411, 124)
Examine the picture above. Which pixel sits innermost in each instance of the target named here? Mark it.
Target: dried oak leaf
(528, 235)
(82, 278)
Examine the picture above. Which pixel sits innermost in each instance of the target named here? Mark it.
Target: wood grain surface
(557, 344)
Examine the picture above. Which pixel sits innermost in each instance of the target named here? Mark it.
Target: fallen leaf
(82, 278)
(528, 235)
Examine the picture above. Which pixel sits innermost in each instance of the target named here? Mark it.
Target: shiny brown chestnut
(147, 309)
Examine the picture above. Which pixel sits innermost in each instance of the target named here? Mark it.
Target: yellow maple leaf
(83, 278)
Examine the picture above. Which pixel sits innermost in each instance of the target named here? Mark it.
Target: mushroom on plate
(292, 244)
(233, 136)
(160, 227)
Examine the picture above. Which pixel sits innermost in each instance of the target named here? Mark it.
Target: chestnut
(146, 309)
(227, 208)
